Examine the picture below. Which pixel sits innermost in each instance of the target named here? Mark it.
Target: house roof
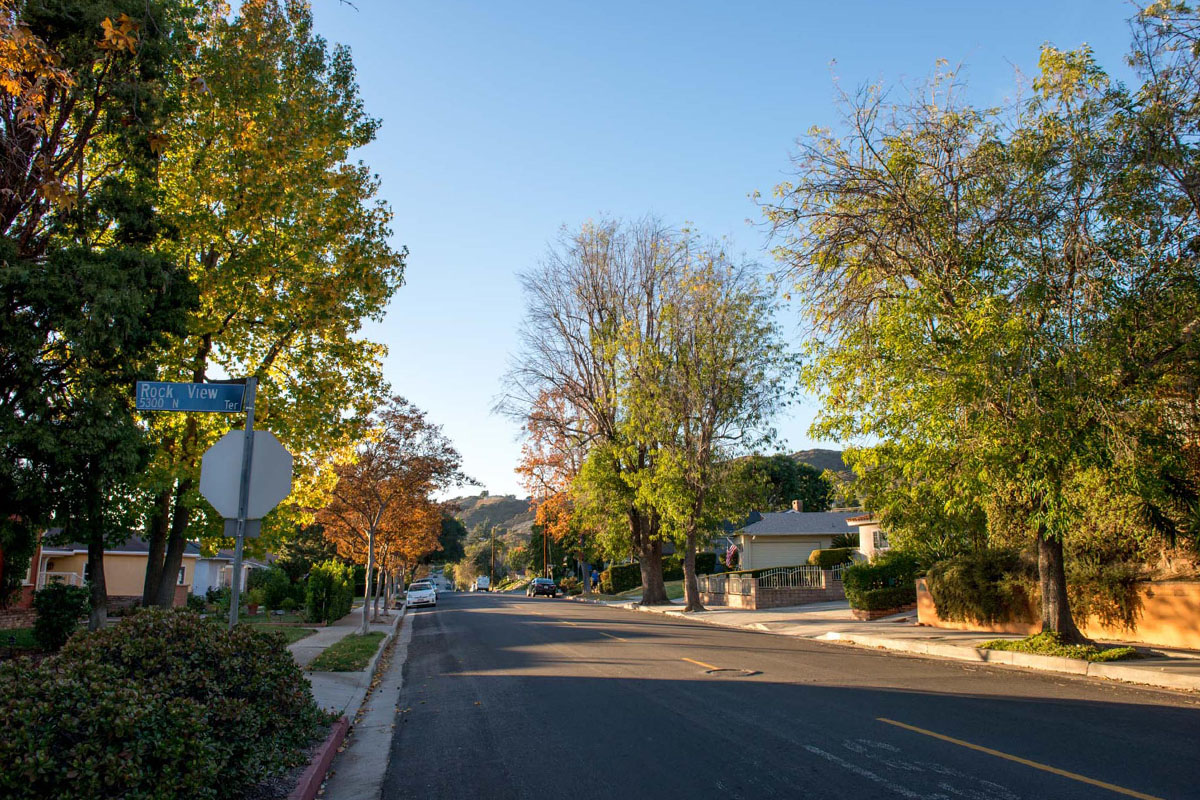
(792, 523)
(135, 544)
(861, 519)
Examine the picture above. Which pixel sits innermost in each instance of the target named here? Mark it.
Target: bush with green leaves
(620, 578)
(162, 705)
(983, 586)
(828, 559)
(330, 591)
(196, 603)
(276, 587)
(894, 569)
(59, 608)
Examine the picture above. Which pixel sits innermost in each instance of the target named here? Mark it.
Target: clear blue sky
(503, 121)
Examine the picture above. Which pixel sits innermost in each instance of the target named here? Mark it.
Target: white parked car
(421, 593)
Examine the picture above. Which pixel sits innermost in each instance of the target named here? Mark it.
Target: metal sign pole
(243, 502)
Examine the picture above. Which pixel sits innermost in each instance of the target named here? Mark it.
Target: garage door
(780, 554)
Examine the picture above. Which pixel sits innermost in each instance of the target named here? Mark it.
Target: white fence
(806, 576)
(69, 578)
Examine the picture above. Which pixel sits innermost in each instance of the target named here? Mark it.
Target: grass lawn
(290, 632)
(1049, 644)
(22, 639)
(674, 591)
(351, 654)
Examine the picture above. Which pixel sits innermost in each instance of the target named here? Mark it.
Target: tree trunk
(157, 543)
(98, 616)
(366, 609)
(691, 587)
(1052, 577)
(379, 577)
(176, 543)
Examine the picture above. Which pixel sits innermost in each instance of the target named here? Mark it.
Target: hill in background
(502, 511)
(823, 460)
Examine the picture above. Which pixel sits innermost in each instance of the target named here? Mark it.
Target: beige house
(787, 538)
(124, 569)
(872, 539)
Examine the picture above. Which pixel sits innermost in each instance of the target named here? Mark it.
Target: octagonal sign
(270, 474)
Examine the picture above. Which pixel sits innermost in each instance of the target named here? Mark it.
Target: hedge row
(163, 705)
(623, 577)
(893, 570)
(828, 559)
(983, 586)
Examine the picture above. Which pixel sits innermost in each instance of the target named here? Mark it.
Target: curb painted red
(311, 778)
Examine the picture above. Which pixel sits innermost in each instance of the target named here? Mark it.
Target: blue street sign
(221, 398)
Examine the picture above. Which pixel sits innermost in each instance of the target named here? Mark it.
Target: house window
(881, 541)
(181, 573)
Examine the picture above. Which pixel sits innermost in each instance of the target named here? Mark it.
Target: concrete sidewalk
(833, 622)
(341, 692)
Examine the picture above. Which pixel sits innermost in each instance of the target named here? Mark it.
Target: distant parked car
(545, 586)
(421, 593)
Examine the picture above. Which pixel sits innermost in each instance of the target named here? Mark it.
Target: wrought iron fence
(804, 577)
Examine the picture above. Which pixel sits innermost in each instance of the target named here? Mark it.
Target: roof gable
(791, 523)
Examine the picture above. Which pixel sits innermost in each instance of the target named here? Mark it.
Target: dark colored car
(544, 586)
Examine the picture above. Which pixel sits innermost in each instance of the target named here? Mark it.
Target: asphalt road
(507, 697)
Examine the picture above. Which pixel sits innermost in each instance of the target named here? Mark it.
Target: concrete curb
(360, 693)
(1145, 676)
(312, 777)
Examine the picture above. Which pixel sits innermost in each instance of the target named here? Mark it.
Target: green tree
(782, 479)
(283, 232)
(87, 290)
(969, 277)
(708, 390)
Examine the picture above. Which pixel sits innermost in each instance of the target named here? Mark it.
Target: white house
(216, 571)
(787, 538)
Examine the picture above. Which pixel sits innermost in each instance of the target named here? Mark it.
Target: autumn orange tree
(551, 456)
(382, 502)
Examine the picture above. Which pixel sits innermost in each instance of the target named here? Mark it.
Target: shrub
(276, 587)
(828, 559)
(330, 591)
(289, 604)
(196, 603)
(162, 705)
(672, 568)
(59, 608)
(893, 570)
(706, 563)
(570, 585)
(620, 578)
(983, 586)
(217, 594)
(891, 597)
(1050, 643)
(1105, 591)
(841, 540)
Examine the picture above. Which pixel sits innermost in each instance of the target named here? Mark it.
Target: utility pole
(545, 549)
(492, 561)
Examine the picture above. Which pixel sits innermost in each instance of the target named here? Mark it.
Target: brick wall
(17, 618)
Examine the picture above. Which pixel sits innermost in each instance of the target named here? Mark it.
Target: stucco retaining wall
(1167, 615)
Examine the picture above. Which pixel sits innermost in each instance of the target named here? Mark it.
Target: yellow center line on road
(699, 663)
(609, 635)
(1044, 767)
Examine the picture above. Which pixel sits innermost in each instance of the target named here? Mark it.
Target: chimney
(797, 505)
